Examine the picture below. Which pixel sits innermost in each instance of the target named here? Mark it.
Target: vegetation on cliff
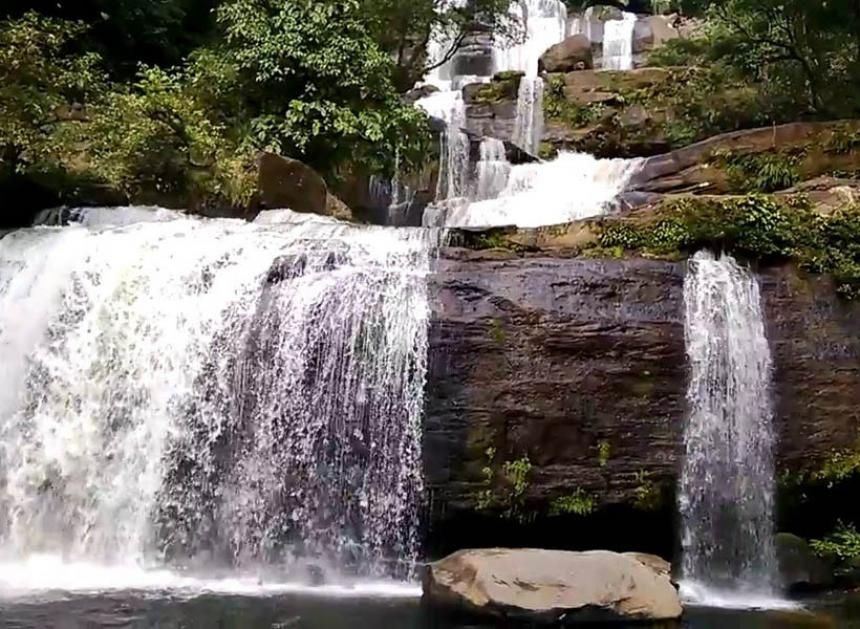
(176, 97)
(755, 227)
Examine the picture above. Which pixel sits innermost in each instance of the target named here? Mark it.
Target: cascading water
(727, 484)
(493, 169)
(544, 25)
(571, 187)
(528, 125)
(618, 43)
(454, 147)
(211, 392)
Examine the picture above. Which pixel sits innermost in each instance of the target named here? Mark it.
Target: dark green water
(221, 612)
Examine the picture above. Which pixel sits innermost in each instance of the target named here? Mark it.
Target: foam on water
(701, 595)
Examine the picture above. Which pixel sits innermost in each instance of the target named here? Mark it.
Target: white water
(726, 491)
(545, 24)
(618, 43)
(528, 125)
(571, 187)
(42, 577)
(211, 392)
(493, 169)
(454, 146)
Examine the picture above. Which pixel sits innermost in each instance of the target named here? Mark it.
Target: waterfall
(193, 391)
(571, 187)
(618, 43)
(528, 125)
(454, 146)
(726, 492)
(493, 169)
(545, 24)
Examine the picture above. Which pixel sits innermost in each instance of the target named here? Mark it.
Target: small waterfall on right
(726, 493)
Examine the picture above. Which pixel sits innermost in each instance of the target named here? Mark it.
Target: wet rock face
(580, 365)
(552, 358)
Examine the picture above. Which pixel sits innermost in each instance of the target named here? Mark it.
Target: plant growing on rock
(843, 544)
(505, 492)
(577, 503)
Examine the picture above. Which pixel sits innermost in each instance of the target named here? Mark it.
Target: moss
(504, 86)
(754, 227)
(497, 332)
(559, 109)
(647, 496)
(604, 450)
(577, 503)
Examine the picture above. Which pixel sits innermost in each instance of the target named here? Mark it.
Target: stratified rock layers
(579, 365)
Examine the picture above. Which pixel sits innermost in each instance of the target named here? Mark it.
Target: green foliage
(321, 94)
(760, 172)
(804, 54)
(646, 495)
(40, 81)
(497, 332)
(577, 503)
(505, 492)
(604, 450)
(843, 544)
(558, 108)
(681, 52)
(756, 227)
(127, 33)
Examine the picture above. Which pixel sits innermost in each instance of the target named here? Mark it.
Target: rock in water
(553, 586)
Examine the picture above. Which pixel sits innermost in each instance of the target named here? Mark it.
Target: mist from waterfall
(237, 397)
(726, 492)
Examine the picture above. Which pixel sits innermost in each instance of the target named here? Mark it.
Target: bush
(843, 544)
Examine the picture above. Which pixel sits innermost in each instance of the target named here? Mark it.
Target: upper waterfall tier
(571, 187)
(212, 390)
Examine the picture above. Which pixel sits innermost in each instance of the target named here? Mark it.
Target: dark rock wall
(559, 359)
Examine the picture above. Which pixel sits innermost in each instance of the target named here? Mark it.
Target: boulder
(289, 183)
(547, 586)
(799, 568)
(574, 53)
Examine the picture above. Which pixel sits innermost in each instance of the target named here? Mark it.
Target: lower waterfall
(212, 393)
(726, 493)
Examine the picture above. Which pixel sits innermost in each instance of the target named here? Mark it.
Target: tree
(127, 33)
(800, 49)
(310, 89)
(40, 85)
(405, 28)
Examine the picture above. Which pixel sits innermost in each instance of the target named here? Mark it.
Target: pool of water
(151, 610)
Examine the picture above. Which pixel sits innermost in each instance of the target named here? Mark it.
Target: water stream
(726, 492)
(189, 393)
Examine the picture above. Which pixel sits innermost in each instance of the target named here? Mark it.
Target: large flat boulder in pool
(553, 587)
